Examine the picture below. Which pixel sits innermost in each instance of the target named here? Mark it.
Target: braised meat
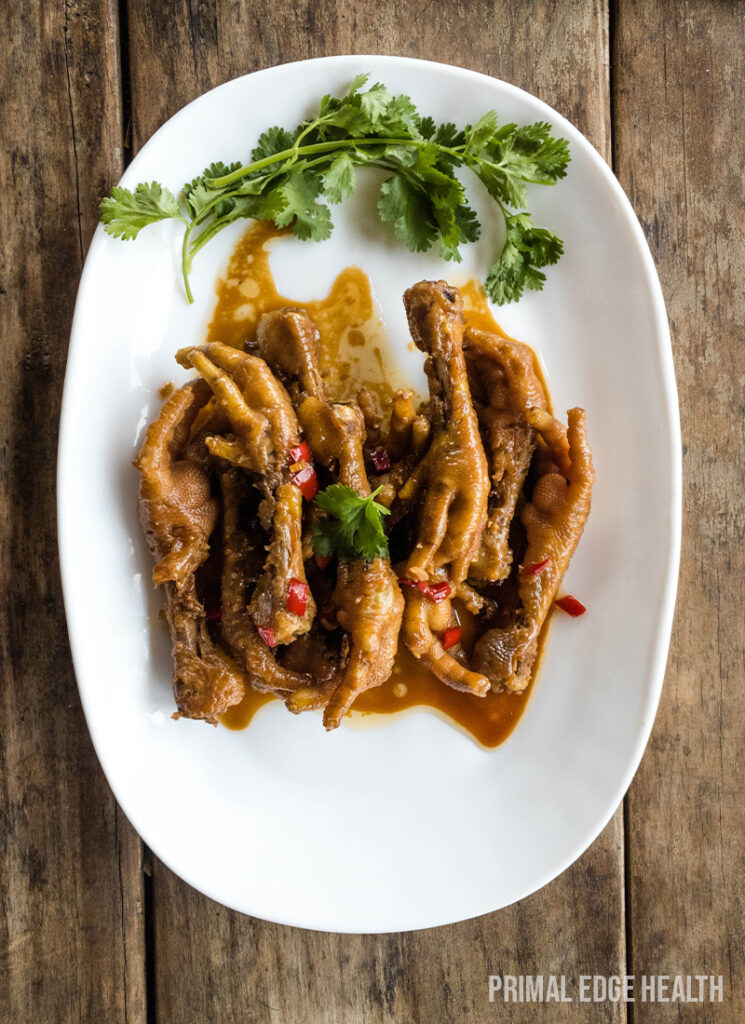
(475, 480)
(554, 519)
(451, 482)
(367, 599)
(241, 564)
(424, 623)
(452, 478)
(504, 386)
(178, 515)
(291, 344)
(265, 429)
(399, 450)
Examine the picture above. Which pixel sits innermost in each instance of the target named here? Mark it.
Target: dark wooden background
(91, 928)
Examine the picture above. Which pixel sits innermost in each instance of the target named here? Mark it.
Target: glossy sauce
(356, 352)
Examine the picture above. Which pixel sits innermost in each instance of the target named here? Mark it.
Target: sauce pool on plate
(356, 353)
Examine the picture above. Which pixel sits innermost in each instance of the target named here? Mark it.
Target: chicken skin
(178, 516)
(504, 386)
(265, 429)
(554, 519)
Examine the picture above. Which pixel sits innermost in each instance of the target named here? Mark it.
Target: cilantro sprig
(352, 527)
(291, 173)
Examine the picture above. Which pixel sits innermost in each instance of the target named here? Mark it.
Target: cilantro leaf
(410, 212)
(525, 250)
(339, 179)
(272, 141)
(352, 527)
(309, 219)
(375, 102)
(479, 134)
(125, 213)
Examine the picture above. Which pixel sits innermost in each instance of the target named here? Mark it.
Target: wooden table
(92, 928)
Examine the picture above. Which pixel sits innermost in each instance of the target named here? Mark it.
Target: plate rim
(660, 647)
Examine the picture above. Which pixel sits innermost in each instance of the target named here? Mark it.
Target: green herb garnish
(352, 527)
(290, 172)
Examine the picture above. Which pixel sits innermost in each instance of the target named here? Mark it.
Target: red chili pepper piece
(307, 481)
(381, 460)
(434, 591)
(297, 597)
(451, 636)
(267, 635)
(535, 568)
(301, 454)
(322, 561)
(571, 605)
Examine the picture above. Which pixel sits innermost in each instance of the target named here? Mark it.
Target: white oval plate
(412, 824)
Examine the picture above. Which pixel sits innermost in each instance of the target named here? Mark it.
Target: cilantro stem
(186, 262)
(327, 147)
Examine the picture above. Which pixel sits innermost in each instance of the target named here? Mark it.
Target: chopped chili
(381, 460)
(301, 454)
(307, 481)
(571, 605)
(434, 591)
(451, 636)
(322, 561)
(267, 635)
(535, 568)
(297, 597)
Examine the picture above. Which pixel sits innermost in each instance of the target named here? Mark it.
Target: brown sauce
(356, 352)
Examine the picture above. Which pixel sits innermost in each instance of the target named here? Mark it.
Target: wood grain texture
(232, 967)
(71, 944)
(680, 152)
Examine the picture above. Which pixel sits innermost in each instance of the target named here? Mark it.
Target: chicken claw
(367, 598)
(505, 388)
(554, 519)
(423, 620)
(238, 629)
(453, 474)
(178, 516)
(265, 429)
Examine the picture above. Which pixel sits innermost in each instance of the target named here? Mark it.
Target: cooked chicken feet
(453, 474)
(423, 623)
(367, 598)
(504, 386)
(238, 572)
(554, 519)
(265, 429)
(178, 515)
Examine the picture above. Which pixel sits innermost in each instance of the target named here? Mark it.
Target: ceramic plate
(411, 824)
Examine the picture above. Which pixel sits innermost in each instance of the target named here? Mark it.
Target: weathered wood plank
(680, 152)
(239, 968)
(71, 945)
